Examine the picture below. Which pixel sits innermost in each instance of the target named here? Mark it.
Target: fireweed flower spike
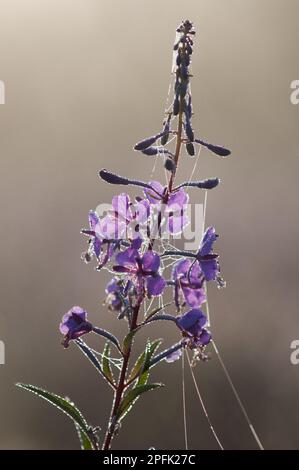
(121, 242)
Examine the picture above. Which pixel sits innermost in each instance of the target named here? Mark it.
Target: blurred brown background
(85, 80)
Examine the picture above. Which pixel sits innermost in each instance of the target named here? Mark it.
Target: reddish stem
(120, 388)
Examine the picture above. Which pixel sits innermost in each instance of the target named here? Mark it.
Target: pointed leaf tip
(64, 405)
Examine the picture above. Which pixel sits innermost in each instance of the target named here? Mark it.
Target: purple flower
(173, 205)
(117, 293)
(188, 281)
(124, 219)
(205, 256)
(192, 325)
(99, 246)
(74, 324)
(144, 269)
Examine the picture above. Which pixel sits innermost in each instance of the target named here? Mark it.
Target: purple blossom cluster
(124, 240)
(138, 275)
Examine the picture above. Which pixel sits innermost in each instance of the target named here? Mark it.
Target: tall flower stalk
(131, 241)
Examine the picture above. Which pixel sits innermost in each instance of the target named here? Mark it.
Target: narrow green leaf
(129, 340)
(131, 397)
(63, 404)
(137, 367)
(106, 363)
(149, 352)
(85, 442)
(155, 311)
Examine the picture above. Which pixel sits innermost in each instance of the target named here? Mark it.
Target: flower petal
(177, 222)
(93, 219)
(127, 258)
(150, 261)
(194, 297)
(208, 240)
(142, 210)
(121, 205)
(152, 196)
(210, 268)
(155, 284)
(97, 245)
(192, 322)
(181, 268)
(205, 337)
(178, 199)
(113, 286)
(113, 227)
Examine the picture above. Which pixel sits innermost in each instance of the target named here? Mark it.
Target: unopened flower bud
(189, 130)
(169, 165)
(190, 149)
(205, 184)
(112, 178)
(152, 151)
(209, 183)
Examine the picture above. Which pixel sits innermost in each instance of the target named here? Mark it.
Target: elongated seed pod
(205, 184)
(113, 178)
(152, 151)
(143, 144)
(189, 130)
(217, 149)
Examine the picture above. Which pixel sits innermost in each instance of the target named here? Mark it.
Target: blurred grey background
(85, 80)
